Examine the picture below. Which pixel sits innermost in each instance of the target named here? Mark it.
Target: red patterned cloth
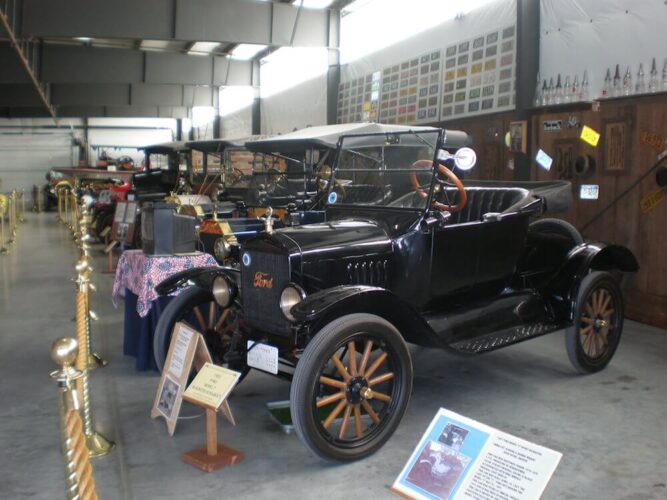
(141, 273)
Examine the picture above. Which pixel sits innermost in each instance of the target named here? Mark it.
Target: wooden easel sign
(209, 390)
(187, 349)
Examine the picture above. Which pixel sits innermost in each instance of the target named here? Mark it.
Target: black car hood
(340, 237)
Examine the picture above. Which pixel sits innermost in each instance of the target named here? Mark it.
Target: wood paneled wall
(620, 159)
(488, 133)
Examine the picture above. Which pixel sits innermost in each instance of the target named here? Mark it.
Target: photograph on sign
(518, 136)
(458, 457)
(543, 160)
(589, 191)
(168, 392)
(119, 214)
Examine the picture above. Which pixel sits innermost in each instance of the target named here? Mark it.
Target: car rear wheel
(351, 387)
(196, 306)
(598, 323)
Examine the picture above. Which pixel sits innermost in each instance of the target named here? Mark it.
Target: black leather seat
(484, 200)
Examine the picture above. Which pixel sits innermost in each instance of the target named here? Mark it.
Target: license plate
(263, 357)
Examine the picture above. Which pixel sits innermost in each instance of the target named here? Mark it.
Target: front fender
(324, 306)
(581, 260)
(197, 276)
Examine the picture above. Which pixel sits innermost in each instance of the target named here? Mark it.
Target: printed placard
(652, 140)
(187, 349)
(459, 458)
(543, 160)
(211, 386)
(589, 191)
(119, 214)
(652, 200)
(263, 357)
(589, 136)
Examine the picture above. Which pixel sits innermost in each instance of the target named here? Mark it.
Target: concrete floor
(609, 426)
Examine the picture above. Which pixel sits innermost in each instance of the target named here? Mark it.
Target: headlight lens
(222, 292)
(221, 248)
(290, 297)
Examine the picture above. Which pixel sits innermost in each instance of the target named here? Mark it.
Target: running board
(503, 338)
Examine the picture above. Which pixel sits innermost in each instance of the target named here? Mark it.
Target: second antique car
(409, 253)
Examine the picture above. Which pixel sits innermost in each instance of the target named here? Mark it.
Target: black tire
(559, 227)
(356, 330)
(598, 323)
(182, 309)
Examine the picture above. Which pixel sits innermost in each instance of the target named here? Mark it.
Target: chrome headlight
(291, 296)
(222, 292)
(221, 248)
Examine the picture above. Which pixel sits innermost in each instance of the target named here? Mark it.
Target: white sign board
(263, 357)
(459, 458)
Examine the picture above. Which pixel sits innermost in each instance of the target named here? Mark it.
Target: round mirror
(465, 159)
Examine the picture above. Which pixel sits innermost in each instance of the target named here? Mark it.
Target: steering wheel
(451, 176)
(276, 182)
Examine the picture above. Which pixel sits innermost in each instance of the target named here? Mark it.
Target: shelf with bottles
(558, 95)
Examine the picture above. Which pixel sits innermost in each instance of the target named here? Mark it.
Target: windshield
(388, 170)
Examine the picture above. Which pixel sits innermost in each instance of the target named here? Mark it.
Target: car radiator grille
(261, 303)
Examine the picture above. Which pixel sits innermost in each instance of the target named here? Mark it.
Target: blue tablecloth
(138, 331)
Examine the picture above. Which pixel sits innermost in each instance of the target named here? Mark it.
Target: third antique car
(409, 253)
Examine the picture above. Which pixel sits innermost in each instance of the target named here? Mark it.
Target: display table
(137, 275)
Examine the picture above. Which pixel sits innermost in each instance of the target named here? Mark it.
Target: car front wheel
(598, 322)
(351, 387)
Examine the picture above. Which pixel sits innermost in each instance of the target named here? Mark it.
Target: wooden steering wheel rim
(451, 176)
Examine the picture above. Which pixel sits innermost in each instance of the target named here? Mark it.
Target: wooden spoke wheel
(598, 322)
(351, 387)
(197, 307)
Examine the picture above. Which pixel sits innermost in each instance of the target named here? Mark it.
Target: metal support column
(527, 66)
(333, 73)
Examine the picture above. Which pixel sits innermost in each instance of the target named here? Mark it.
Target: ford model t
(409, 253)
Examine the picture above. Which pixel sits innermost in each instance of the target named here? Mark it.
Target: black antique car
(408, 253)
(287, 174)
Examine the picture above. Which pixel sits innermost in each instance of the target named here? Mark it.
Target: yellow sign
(589, 136)
(652, 200)
(211, 386)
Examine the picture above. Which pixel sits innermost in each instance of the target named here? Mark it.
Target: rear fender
(201, 277)
(324, 306)
(581, 260)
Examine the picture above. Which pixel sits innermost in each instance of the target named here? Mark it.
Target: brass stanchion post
(97, 444)
(79, 478)
(94, 359)
(4, 205)
(22, 217)
(12, 217)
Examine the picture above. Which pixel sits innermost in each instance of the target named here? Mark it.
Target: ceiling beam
(24, 51)
(229, 21)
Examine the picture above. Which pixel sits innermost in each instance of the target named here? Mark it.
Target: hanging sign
(652, 200)
(543, 160)
(589, 136)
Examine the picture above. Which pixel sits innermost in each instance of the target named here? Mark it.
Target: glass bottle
(551, 90)
(607, 89)
(627, 82)
(640, 86)
(616, 89)
(545, 93)
(558, 93)
(653, 80)
(576, 89)
(567, 90)
(664, 76)
(538, 91)
(584, 96)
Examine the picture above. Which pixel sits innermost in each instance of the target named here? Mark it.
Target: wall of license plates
(466, 78)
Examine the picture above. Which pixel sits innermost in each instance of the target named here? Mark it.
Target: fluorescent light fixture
(246, 51)
(315, 4)
(83, 39)
(203, 48)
